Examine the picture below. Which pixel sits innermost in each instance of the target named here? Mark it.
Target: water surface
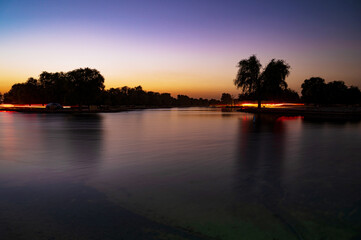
(215, 174)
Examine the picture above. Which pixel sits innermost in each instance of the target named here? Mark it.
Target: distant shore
(73, 110)
(322, 112)
(83, 110)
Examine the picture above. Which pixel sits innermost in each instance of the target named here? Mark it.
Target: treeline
(137, 96)
(269, 83)
(315, 90)
(80, 86)
(86, 87)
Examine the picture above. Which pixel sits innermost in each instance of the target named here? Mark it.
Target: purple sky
(188, 47)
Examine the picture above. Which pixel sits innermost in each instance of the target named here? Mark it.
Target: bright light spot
(27, 106)
(263, 105)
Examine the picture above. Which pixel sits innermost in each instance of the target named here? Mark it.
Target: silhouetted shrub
(316, 91)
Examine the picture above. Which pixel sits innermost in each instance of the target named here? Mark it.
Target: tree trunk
(259, 93)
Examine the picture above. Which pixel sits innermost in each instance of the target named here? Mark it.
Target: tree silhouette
(86, 86)
(22, 93)
(183, 100)
(274, 78)
(226, 98)
(315, 90)
(289, 96)
(268, 84)
(55, 86)
(249, 77)
(353, 95)
(336, 92)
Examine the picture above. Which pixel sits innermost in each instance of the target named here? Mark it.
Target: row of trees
(86, 87)
(80, 86)
(137, 96)
(316, 90)
(270, 84)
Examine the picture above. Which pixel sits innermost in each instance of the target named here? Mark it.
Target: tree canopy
(226, 98)
(269, 84)
(85, 85)
(274, 78)
(248, 76)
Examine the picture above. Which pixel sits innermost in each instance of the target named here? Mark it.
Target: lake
(180, 173)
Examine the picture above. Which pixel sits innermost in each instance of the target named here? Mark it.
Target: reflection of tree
(260, 166)
(261, 146)
(72, 143)
(85, 136)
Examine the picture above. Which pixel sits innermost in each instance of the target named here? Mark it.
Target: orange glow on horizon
(22, 105)
(263, 105)
(30, 106)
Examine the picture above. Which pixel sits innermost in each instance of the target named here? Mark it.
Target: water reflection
(75, 142)
(86, 136)
(305, 187)
(260, 159)
(261, 165)
(50, 147)
(224, 174)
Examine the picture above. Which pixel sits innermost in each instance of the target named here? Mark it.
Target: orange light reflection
(287, 118)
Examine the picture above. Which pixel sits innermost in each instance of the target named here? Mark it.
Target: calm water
(219, 174)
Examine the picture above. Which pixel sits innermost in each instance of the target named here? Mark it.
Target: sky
(183, 47)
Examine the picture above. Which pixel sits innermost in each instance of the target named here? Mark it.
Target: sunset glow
(180, 119)
(182, 47)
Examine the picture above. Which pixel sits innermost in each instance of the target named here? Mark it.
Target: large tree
(86, 86)
(274, 79)
(269, 83)
(249, 77)
(313, 90)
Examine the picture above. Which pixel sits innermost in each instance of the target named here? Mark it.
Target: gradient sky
(182, 47)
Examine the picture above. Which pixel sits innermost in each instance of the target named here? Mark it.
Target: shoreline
(331, 113)
(84, 110)
(310, 112)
